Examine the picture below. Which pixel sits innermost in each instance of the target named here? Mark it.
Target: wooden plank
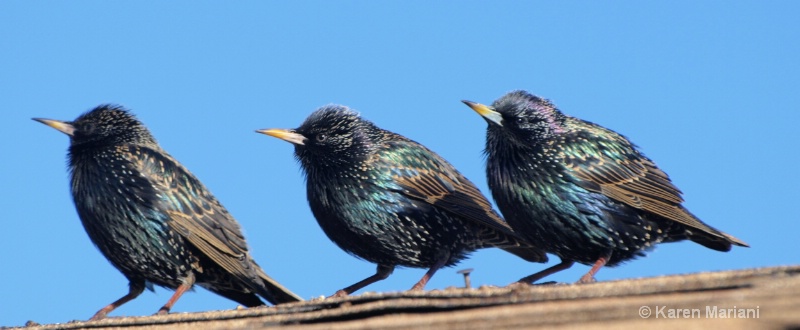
(770, 297)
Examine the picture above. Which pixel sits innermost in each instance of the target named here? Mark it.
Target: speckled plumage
(580, 191)
(391, 201)
(152, 219)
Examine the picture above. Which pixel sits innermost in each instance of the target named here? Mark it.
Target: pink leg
(135, 289)
(381, 274)
(425, 278)
(589, 277)
(187, 284)
(565, 264)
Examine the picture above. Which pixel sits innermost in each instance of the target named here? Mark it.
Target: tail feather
(276, 293)
(530, 254)
(246, 299)
(735, 240)
(511, 243)
(720, 243)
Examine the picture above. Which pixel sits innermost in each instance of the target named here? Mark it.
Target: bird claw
(339, 294)
(417, 288)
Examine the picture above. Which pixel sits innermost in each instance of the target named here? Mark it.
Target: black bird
(389, 200)
(581, 191)
(152, 219)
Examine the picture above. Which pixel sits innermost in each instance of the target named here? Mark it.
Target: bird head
(521, 117)
(103, 125)
(331, 135)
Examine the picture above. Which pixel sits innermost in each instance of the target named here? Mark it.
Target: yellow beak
(486, 112)
(284, 134)
(61, 126)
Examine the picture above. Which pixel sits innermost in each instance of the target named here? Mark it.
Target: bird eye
(322, 137)
(88, 129)
(520, 120)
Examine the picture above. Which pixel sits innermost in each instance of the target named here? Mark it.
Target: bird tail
(275, 292)
(721, 242)
(505, 239)
(530, 254)
(248, 299)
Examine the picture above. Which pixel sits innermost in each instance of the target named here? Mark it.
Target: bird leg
(589, 277)
(187, 284)
(425, 278)
(564, 264)
(135, 288)
(382, 273)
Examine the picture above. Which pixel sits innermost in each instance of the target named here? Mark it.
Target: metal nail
(466, 272)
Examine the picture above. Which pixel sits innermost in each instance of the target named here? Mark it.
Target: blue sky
(708, 90)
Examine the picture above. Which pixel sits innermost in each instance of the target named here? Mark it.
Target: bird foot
(587, 279)
(417, 287)
(98, 316)
(339, 294)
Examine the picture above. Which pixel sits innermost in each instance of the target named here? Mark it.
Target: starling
(386, 199)
(152, 219)
(581, 191)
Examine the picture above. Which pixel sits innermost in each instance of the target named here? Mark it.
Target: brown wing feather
(196, 213)
(438, 183)
(625, 175)
(204, 222)
(209, 245)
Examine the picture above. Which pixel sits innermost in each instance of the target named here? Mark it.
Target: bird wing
(613, 167)
(423, 175)
(195, 214)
